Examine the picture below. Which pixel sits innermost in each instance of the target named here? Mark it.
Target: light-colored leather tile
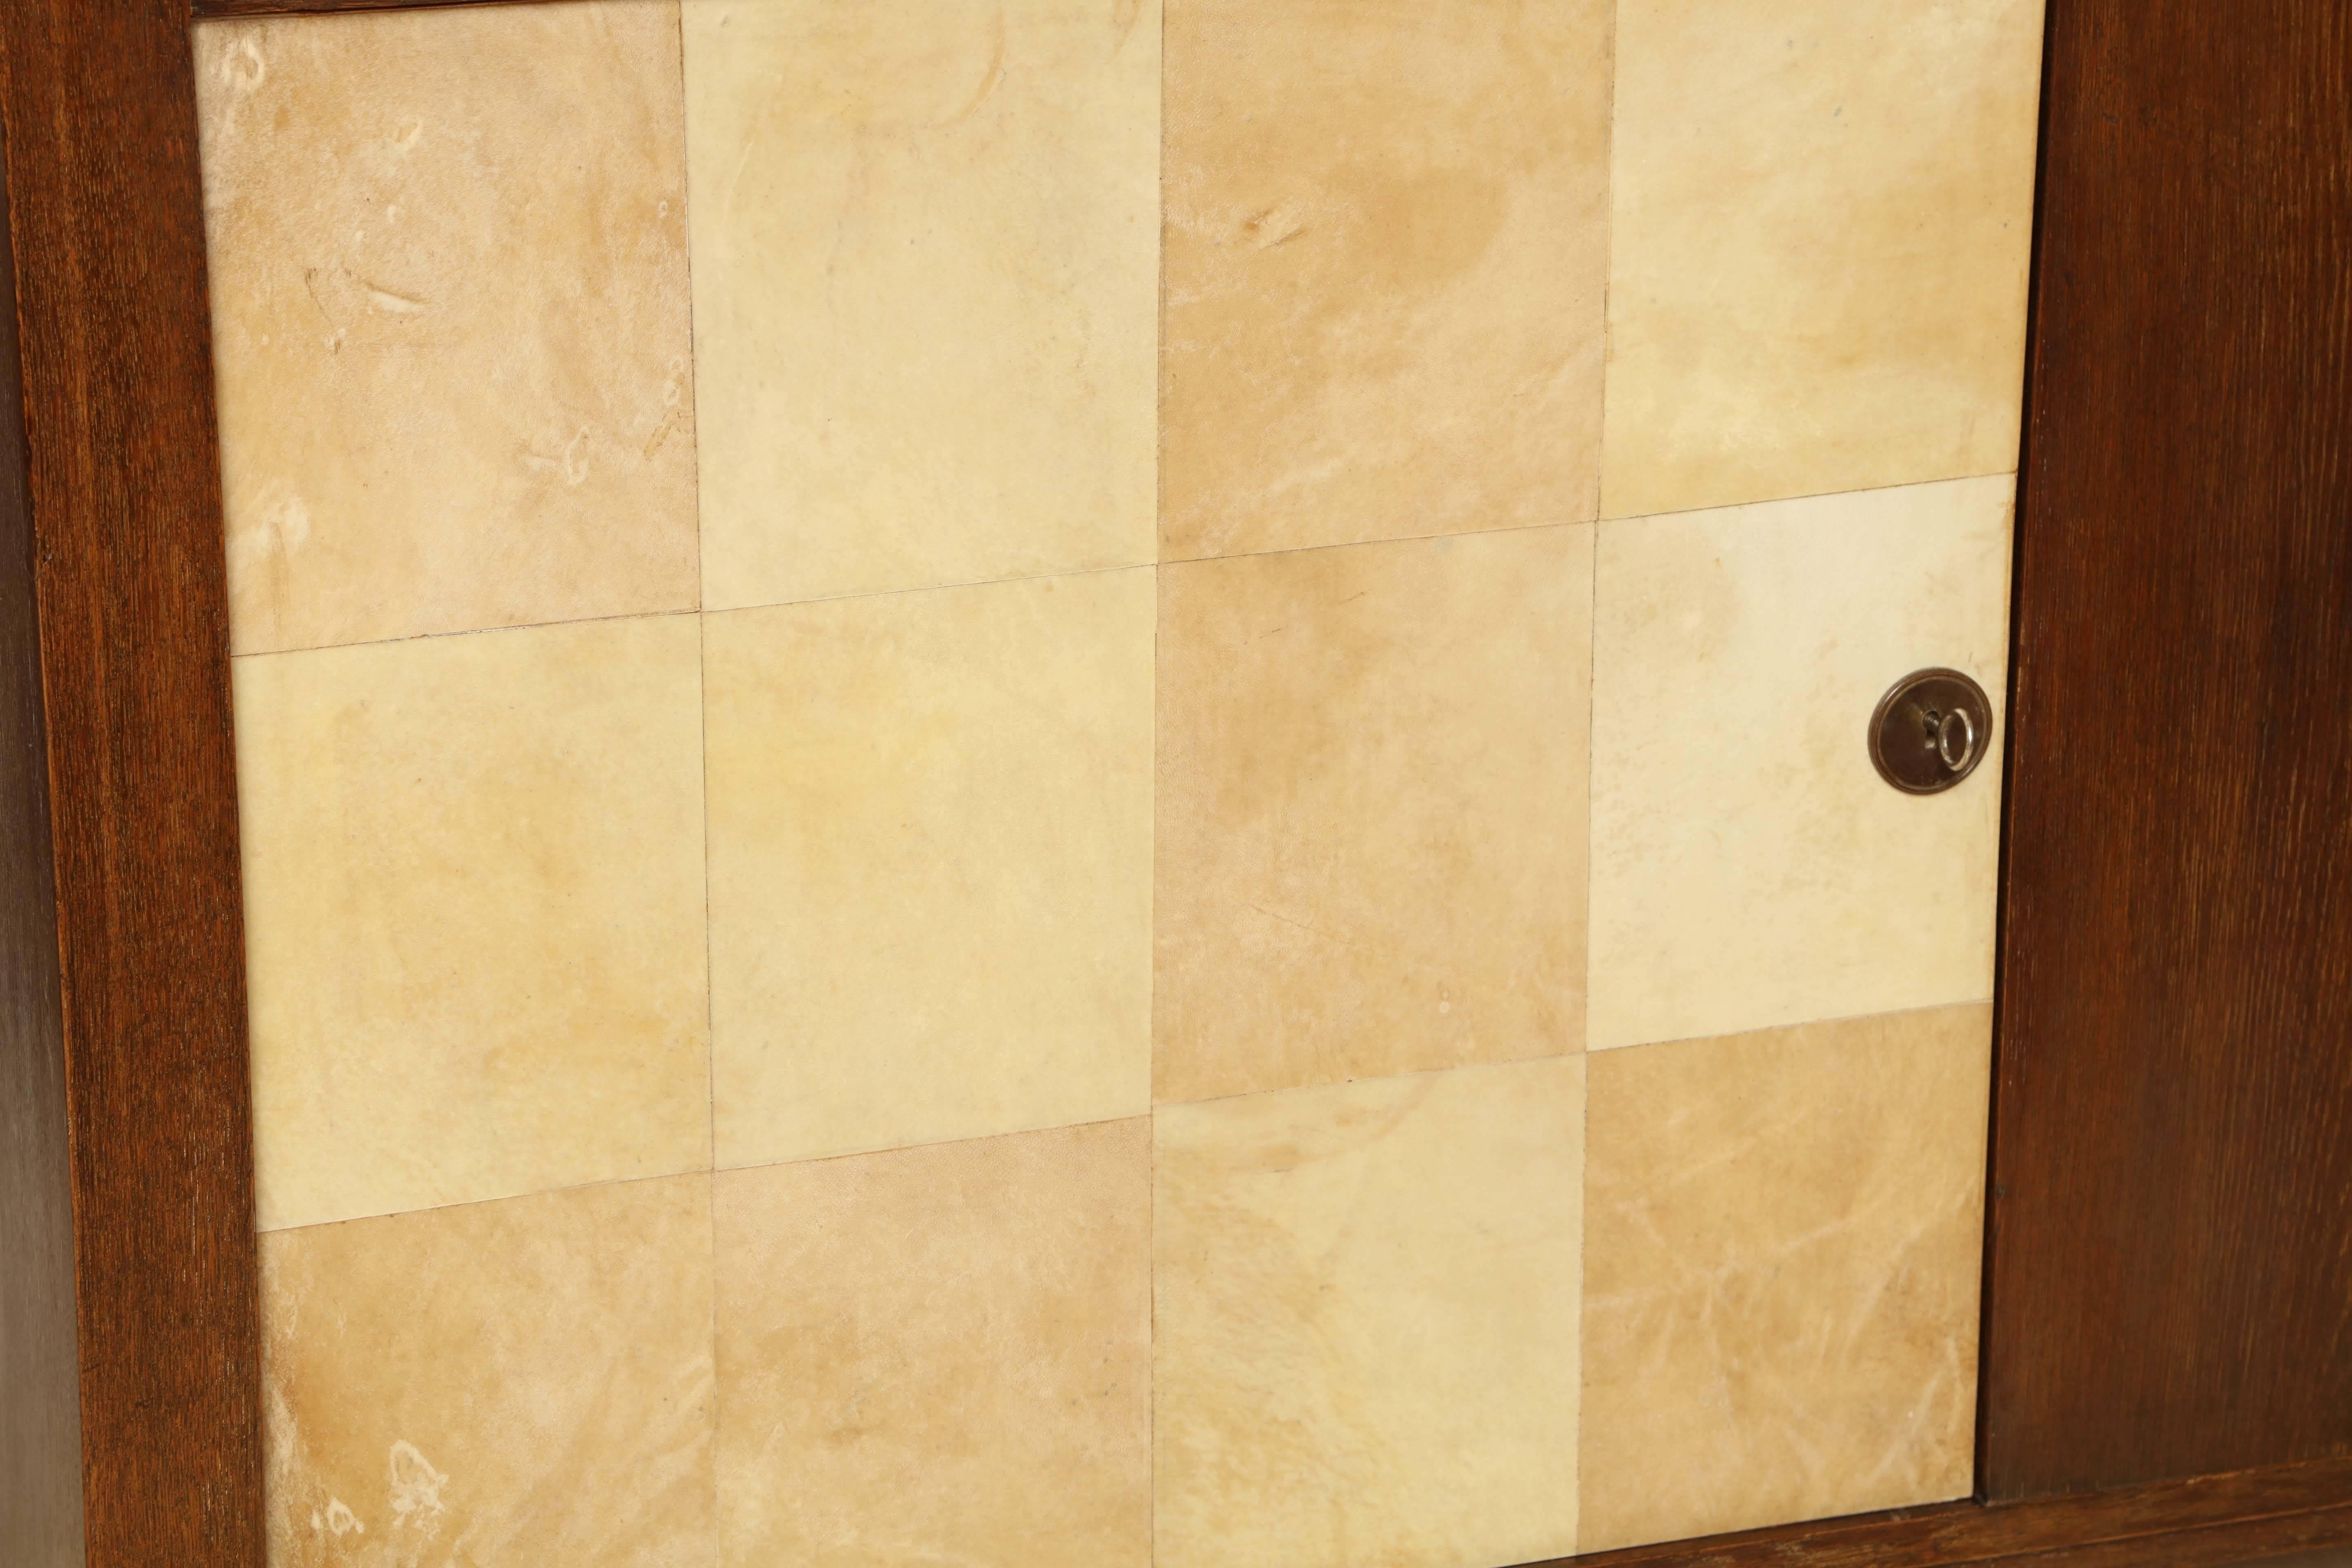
(1750, 866)
(1371, 812)
(1823, 213)
(474, 915)
(1366, 1298)
(526, 1381)
(1783, 1235)
(926, 279)
(939, 1355)
(1386, 231)
(931, 867)
(451, 317)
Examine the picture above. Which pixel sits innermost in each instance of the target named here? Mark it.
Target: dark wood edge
(2198, 1523)
(204, 8)
(40, 1394)
(2172, 1288)
(114, 356)
(2005, 1055)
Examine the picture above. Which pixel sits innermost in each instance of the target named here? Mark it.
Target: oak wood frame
(120, 472)
(125, 1017)
(2170, 1250)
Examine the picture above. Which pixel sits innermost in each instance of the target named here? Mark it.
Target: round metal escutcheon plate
(1930, 730)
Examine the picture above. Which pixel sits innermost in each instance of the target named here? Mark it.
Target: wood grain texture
(2200, 1523)
(2170, 1279)
(99, 114)
(40, 1408)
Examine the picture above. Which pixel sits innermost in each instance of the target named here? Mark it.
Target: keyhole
(1929, 730)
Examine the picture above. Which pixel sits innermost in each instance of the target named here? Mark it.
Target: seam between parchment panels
(702, 702)
(1591, 752)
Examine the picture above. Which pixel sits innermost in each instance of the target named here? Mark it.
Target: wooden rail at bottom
(2210, 1521)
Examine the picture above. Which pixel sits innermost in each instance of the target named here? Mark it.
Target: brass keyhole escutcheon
(1930, 732)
